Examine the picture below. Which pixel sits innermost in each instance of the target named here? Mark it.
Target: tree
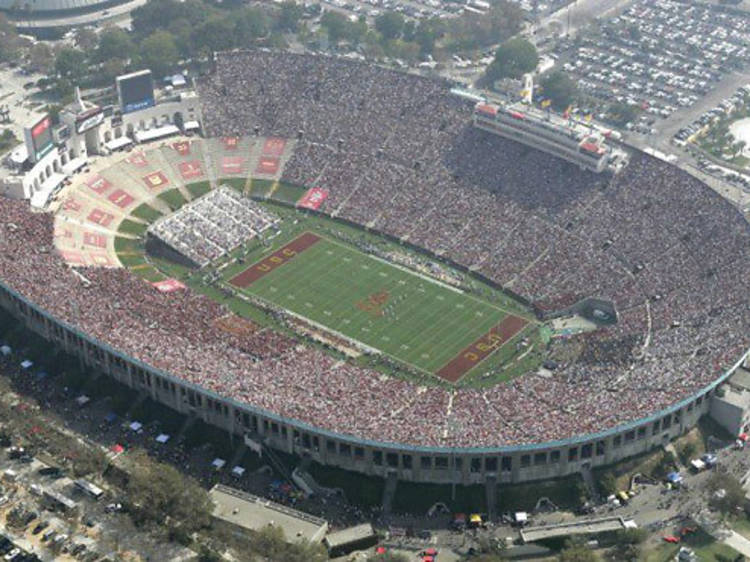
(513, 59)
(622, 113)
(727, 494)
(390, 25)
(559, 88)
(215, 34)
(289, 16)
(85, 39)
(388, 557)
(114, 43)
(687, 452)
(69, 62)
(269, 544)
(159, 53)
(10, 42)
(576, 552)
(427, 34)
(664, 465)
(335, 25)
(607, 483)
(156, 491)
(41, 58)
(252, 24)
(627, 547)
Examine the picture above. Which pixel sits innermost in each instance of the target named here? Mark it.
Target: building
(241, 513)
(345, 541)
(730, 405)
(572, 142)
(50, 154)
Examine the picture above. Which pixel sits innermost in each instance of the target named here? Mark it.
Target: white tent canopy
(153, 134)
(73, 165)
(118, 143)
(39, 199)
(162, 438)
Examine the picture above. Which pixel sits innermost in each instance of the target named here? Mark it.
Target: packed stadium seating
(397, 152)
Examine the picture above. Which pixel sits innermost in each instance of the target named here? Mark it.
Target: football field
(413, 319)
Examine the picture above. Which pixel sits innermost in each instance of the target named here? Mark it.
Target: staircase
(391, 481)
(588, 480)
(490, 489)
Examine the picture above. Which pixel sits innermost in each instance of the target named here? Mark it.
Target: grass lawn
(127, 245)
(173, 198)
(415, 320)
(131, 227)
(131, 260)
(198, 189)
(234, 183)
(146, 213)
(288, 193)
(261, 188)
(705, 547)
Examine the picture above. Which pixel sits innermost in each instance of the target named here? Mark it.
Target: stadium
(345, 267)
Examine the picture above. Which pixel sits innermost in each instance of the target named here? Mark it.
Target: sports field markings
(482, 348)
(401, 306)
(275, 260)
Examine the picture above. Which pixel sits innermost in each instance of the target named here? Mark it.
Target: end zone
(277, 259)
(482, 348)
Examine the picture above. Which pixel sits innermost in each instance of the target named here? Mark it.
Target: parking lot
(658, 56)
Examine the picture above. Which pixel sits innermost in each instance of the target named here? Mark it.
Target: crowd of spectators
(213, 226)
(399, 153)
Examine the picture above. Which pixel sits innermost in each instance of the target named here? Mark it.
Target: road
(110, 13)
(738, 542)
(580, 13)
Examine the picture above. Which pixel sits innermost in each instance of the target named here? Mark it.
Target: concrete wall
(459, 466)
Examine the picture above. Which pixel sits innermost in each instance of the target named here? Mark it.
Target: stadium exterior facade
(466, 466)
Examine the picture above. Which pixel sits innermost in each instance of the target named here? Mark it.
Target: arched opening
(178, 120)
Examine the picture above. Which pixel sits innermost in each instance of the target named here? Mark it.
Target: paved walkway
(738, 542)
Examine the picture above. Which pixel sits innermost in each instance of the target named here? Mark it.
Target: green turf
(421, 323)
(261, 188)
(288, 193)
(127, 245)
(173, 198)
(131, 227)
(198, 189)
(131, 260)
(146, 213)
(235, 183)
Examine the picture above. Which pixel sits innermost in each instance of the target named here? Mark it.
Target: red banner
(168, 285)
(313, 199)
